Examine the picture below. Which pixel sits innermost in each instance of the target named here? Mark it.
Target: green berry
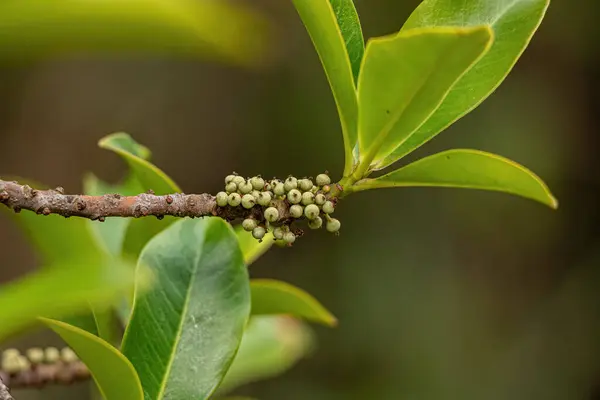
(271, 214)
(279, 189)
(245, 187)
(68, 355)
(268, 187)
(323, 179)
(222, 199)
(11, 365)
(249, 224)
(315, 223)
(305, 184)
(308, 198)
(281, 243)
(328, 207)
(333, 225)
(51, 355)
(289, 237)
(234, 199)
(35, 355)
(320, 199)
(248, 201)
(229, 178)
(296, 211)
(255, 194)
(278, 233)
(264, 198)
(294, 196)
(257, 183)
(311, 211)
(231, 187)
(326, 189)
(10, 353)
(290, 184)
(238, 180)
(259, 232)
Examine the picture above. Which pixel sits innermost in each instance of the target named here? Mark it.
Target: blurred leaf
(405, 77)
(32, 29)
(64, 290)
(271, 345)
(276, 297)
(514, 22)
(252, 248)
(322, 26)
(184, 334)
(113, 373)
(471, 169)
(349, 25)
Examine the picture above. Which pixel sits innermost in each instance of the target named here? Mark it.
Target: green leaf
(113, 373)
(514, 23)
(271, 346)
(471, 169)
(349, 25)
(322, 25)
(184, 334)
(65, 290)
(404, 78)
(31, 29)
(276, 297)
(252, 248)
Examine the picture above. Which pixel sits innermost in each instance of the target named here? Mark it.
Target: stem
(4, 391)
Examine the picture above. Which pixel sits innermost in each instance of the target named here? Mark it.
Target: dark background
(440, 293)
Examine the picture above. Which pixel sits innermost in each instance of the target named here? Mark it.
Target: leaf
(271, 346)
(251, 248)
(322, 26)
(31, 29)
(404, 78)
(514, 23)
(65, 290)
(184, 334)
(471, 169)
(349, 26)
(276, 297)
(113, 373)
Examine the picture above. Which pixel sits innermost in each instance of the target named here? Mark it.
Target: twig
(54, 201)
(4, 391)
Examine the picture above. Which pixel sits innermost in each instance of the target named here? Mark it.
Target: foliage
(183, 332)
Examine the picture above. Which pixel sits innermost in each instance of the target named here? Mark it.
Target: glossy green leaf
(349, 25)
(65, 290)
(276, 297)
(322, 26)
(113, 373)
(514, 23)
(252, 248)
(471, 169)
(184, 334)
(405, 77)
(32, 29)
(271, 346)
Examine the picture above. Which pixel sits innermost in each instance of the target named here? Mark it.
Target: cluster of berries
(303, 199)
(14, 362)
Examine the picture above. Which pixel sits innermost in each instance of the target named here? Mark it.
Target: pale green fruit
(308, 198)
(257, 183)
(305, 184)
(296, 211)
(311, 211)
(222, 199)
(315, 223)
(294, 196)
(248, 201)
(290, 183)
(333, 225)
(249, 224)
(323, 179)
(328, 207)
(234, 199)
(259, 232)
(320, 199)
(289, 237)
(231, 187)
(271, 214)
(264, 198)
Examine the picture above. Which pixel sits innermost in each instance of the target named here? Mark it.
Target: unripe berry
(308, 198)
(290, 183)
(311, 211)
(296, 211)
(51, 355)
(320, 199)
(323, 179)
(328, 207)
(264, 198)
(278, 233)
(294, 196)
(271, 214)
(315, 223)
(257, 183)
(279, 189)
(11, 365)
(234, 199)
(289, 237)
(333, 225)
(68, 355)
(326, 189)
(245, 187)
(248, 201)
(259, 232)
(238, 180)
(249, 224)
(229, 178)
(255, 194)
(305, 184)
(10, 353)
(35, 355)
(222, 199)
(281, 243)
(231, 187)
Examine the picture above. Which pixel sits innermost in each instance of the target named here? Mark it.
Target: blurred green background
(441, 293)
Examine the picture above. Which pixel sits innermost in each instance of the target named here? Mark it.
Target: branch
(4, 391)
(54, 201)
(41, 375)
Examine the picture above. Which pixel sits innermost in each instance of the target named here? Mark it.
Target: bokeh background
(441, 293)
